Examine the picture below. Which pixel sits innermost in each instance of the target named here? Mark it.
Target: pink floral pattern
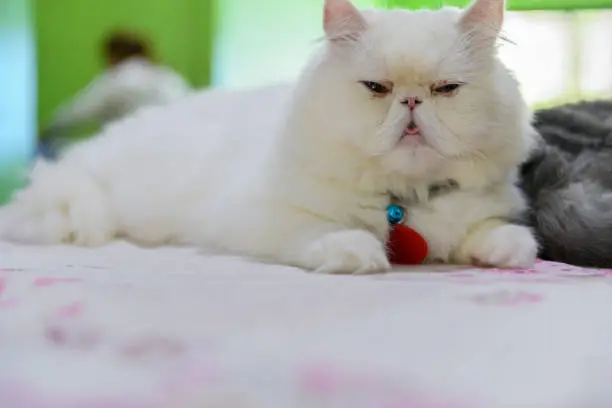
(71, 310)
(170, 328)
(50, 281)
(507, 298)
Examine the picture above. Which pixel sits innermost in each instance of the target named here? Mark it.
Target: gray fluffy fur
(568, 181)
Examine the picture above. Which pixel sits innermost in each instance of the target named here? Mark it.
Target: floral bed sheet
(126, 327)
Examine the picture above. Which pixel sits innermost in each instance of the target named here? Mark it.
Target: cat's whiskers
(389, 126)
(467, 149)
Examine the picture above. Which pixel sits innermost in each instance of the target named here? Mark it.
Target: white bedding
(123, 327)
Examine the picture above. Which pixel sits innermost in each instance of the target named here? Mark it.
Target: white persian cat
(393, 103)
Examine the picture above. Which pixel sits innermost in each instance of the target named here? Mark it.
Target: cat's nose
(412, 102)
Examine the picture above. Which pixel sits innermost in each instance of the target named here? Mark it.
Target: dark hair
(121, 45)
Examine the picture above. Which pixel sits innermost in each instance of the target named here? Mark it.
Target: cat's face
(414, 88)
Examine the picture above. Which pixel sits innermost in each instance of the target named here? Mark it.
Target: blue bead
(395, 214)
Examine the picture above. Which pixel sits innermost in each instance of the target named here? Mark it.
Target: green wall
(69, 33)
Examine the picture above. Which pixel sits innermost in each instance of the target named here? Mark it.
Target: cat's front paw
(501, 246)
(347, 252)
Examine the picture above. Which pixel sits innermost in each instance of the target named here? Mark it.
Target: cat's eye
(446, 89)
(377, 88)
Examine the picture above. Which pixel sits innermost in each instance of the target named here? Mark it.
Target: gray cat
(568, 181)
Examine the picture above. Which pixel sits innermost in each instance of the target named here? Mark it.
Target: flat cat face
(414, 88)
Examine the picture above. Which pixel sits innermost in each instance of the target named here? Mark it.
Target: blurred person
(132, 80)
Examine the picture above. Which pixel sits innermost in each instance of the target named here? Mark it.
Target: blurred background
(50, 50)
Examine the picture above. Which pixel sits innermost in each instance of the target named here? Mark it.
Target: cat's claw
(347, 252)
(503, 246)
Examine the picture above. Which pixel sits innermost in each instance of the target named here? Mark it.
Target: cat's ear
(485, 17)
(342, 21)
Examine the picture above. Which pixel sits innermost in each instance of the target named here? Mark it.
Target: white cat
(392, 103)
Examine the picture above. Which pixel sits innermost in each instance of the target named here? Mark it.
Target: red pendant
(406, 246)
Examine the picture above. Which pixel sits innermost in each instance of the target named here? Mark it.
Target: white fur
(302, 174)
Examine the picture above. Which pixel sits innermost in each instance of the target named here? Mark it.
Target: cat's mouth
(411, 133)
(411, 130)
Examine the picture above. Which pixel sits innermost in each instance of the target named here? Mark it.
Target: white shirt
(119, 91)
